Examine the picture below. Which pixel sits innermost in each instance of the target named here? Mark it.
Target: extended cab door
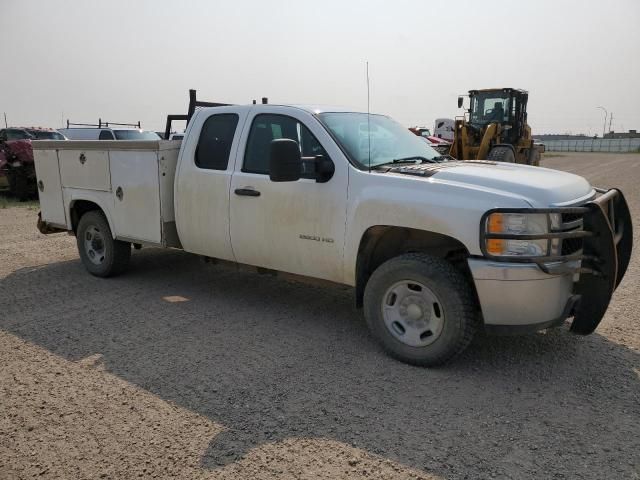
(203, 179)
(296, 227)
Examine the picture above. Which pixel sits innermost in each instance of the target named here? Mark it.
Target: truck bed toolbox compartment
(131, 180)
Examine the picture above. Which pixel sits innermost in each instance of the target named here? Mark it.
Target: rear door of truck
(203, 180)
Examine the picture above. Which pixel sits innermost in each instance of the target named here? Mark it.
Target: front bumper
(533, 293)
(518, 297)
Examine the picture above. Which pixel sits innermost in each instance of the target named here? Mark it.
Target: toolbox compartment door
(49, 187)
(136, 195)
(85, 169)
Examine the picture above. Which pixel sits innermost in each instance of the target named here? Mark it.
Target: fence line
(594, 145)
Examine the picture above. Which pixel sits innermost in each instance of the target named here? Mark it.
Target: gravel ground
(190, 370)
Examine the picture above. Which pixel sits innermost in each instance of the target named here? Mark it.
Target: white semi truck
(435, 249)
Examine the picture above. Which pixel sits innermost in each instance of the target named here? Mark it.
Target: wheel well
(381, 243)
(78, 209)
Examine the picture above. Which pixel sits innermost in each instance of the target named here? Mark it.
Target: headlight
(509, 224)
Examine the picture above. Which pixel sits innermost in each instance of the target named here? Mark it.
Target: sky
(130, 60)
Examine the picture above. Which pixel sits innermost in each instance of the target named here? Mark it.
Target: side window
(105, 135)
(214, 144)
(267, 127)
(17, 135)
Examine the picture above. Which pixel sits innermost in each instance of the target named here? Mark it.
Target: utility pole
(610, 120)
(604, 127)
(5, 120)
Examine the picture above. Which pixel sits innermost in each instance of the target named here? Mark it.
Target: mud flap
(608, 252)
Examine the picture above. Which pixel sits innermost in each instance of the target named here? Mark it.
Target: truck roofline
(313, 109)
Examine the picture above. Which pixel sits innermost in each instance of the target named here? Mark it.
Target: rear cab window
(214, 143)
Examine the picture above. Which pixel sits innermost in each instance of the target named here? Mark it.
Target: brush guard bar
(607, 241)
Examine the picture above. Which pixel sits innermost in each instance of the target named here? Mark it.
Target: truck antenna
(368, 120)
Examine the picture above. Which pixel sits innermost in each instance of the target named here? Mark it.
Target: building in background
(629, 134)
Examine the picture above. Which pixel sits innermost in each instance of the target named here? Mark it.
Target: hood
(540, 187)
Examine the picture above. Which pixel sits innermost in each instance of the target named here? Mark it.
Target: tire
(101, 255)
(534, 157)
(20, 185)
(11, 180)
(414, 281)
(501, 154)
(22, 190)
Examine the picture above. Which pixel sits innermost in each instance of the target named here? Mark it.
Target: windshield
(388, 139)
(46, 135)
(135, 135)
(490, 107)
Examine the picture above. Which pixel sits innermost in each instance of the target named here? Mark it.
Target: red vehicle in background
(439, 144)
(17, 170)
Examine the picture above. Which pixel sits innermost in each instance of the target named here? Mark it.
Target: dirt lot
(181, 369)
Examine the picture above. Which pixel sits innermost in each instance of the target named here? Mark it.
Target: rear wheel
(101, 255)
(501, 154)
(421, 309)
(535, 157)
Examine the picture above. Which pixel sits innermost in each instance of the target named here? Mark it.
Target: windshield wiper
(411, 159)
(415, 157)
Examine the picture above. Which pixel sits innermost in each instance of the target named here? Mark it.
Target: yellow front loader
(495, 128)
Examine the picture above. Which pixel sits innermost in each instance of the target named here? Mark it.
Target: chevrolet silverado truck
(435, 249)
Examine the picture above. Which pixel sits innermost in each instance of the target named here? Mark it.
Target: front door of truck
(296, 227)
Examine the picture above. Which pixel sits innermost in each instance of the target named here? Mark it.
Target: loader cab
(505, 106)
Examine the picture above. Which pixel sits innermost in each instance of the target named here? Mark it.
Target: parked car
(435, 249)
(442, 146)
(17, 172)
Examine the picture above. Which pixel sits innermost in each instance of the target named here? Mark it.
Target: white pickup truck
(434, 248)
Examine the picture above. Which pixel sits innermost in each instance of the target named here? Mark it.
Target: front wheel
(101, 255)
(421, 309)
(502, 154)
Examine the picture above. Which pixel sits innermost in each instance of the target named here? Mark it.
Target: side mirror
(324, 168)
(285, 161)
(460, 99)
